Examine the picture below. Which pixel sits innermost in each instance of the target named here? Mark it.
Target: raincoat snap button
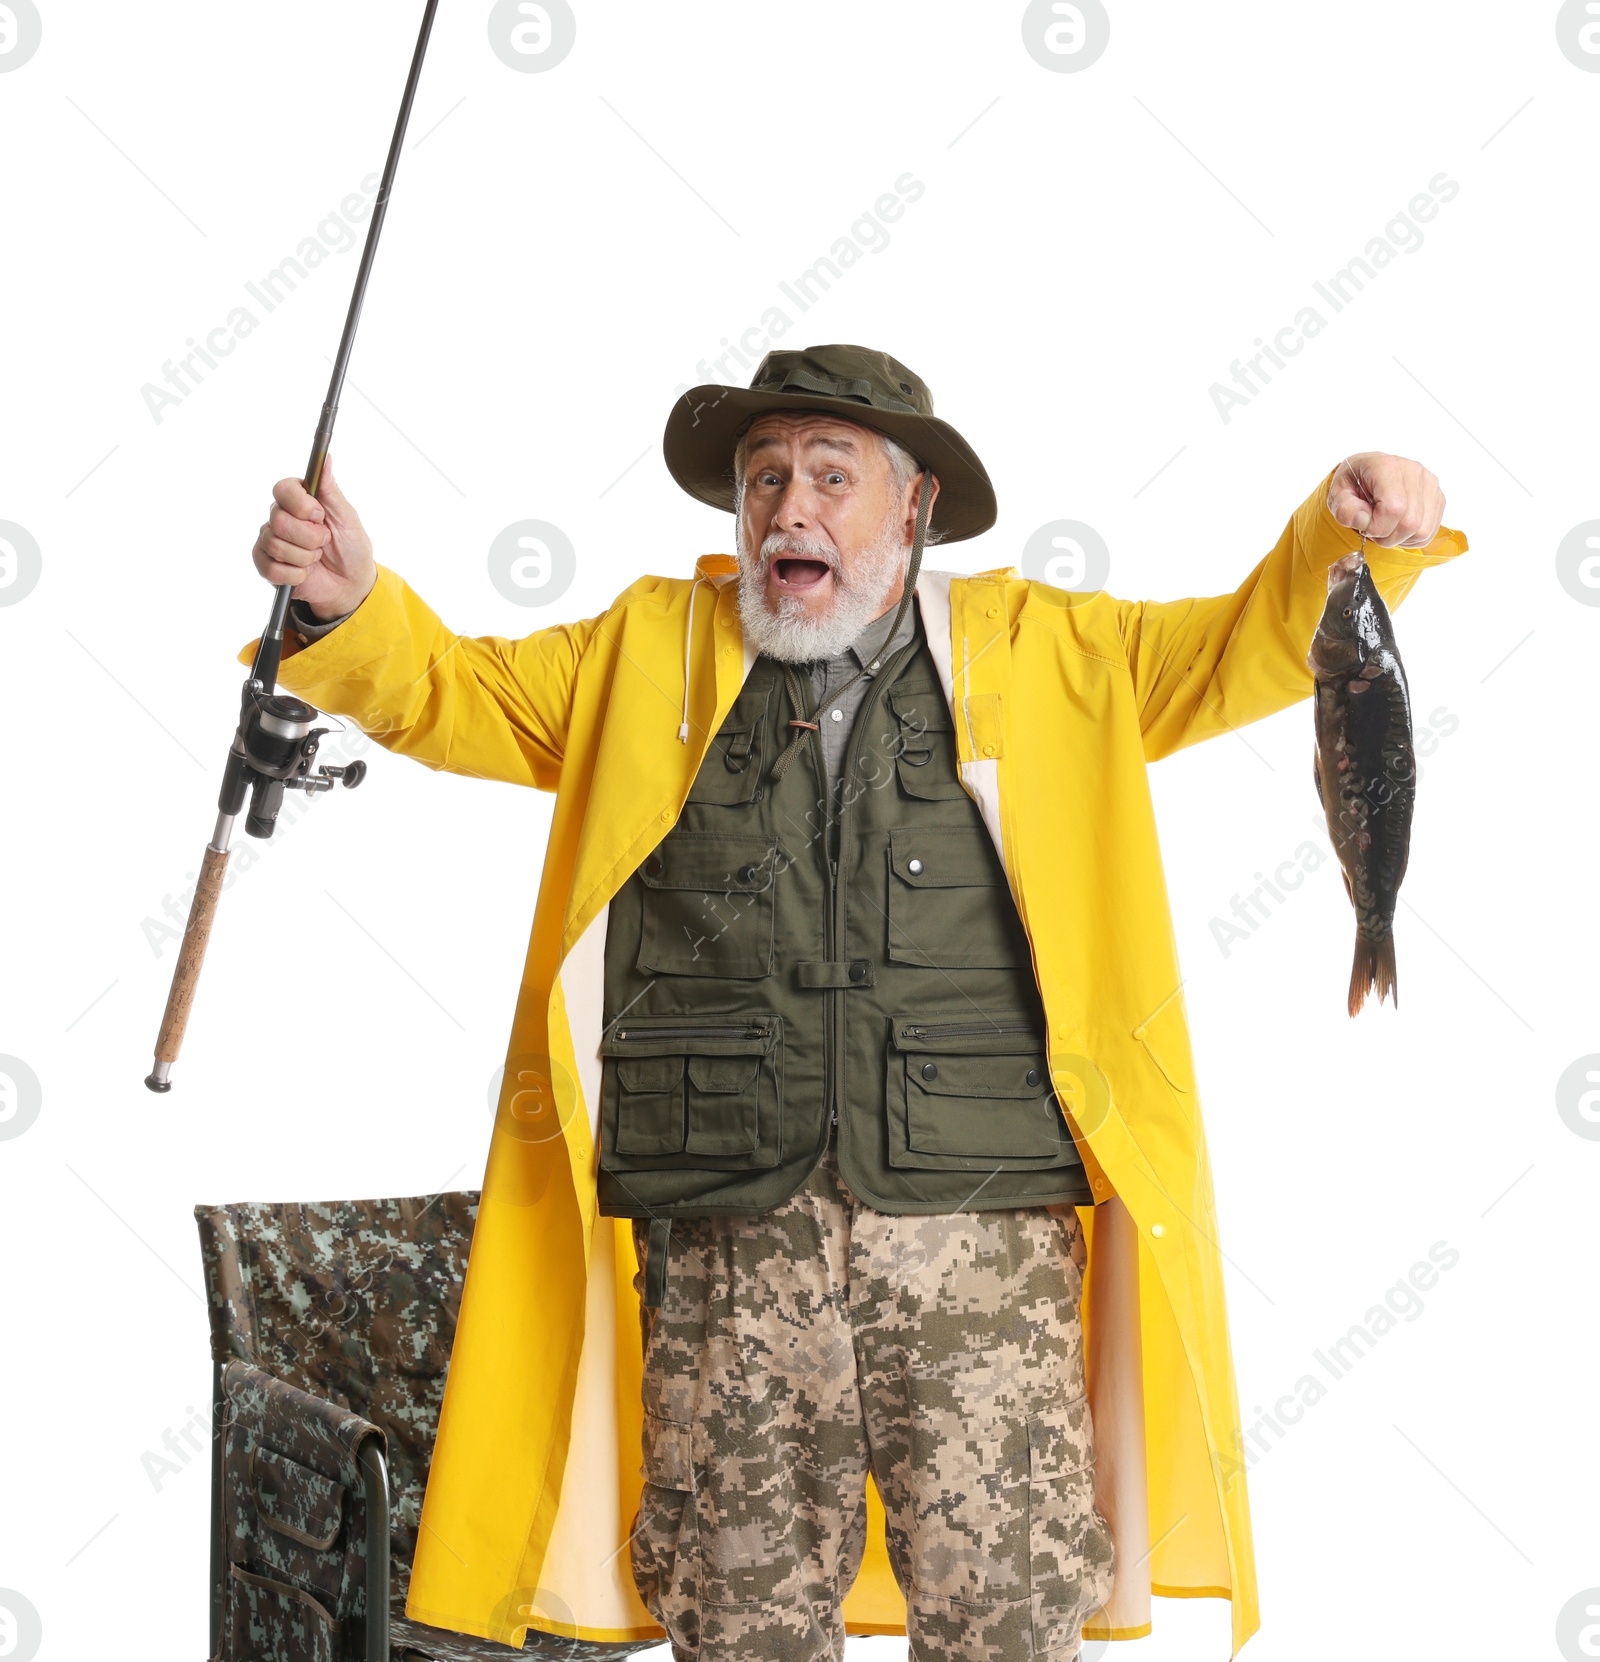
(994, 611)
(914, 867)
(666, 816)
(1099, 1183)
(1158, 1229)
(1034, 1076)
(989, 750)
(930, 1070)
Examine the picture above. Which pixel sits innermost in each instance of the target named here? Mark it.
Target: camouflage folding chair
(331, 1328)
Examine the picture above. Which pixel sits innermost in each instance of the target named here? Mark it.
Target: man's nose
(793, 512)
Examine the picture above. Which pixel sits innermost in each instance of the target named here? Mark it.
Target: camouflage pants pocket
(1070, 1549)
(753, 1532)
(714, 1562)
(665, 1543)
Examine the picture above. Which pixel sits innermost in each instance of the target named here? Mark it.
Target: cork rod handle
(186, 972)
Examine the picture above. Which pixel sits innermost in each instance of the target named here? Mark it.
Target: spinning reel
(273, 752)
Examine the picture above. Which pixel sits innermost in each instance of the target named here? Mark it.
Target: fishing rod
(275, 743)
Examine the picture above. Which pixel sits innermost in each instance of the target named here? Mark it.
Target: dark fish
(1366, 771)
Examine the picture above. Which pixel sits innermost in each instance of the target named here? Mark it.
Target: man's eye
(834, 477)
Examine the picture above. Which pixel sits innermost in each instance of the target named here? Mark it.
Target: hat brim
(705, 422)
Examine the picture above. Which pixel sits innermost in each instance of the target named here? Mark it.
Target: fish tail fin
(1388, 986)
(1373, 970)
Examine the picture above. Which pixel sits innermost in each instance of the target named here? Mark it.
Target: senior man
(852, 995)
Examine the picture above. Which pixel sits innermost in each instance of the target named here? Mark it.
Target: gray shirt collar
(869, 648)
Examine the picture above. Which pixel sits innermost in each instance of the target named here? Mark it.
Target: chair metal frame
(375, 1491)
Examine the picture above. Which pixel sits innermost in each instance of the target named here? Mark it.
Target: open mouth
(797, 572)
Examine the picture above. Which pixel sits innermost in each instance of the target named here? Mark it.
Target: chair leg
(375, 1488)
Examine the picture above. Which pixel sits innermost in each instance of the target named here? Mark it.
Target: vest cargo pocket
(973, 1093)
(949, 906)
(649, 1105)
(723, 1102)
(709, 905)
(925, 747)
(691, 1091)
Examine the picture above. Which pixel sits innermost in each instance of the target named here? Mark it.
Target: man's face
(823, 525)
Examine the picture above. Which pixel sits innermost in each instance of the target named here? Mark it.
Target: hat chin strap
(802, 729)
(914, 564)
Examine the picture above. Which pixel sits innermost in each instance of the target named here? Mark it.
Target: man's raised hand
(318, 545)
(1397, 502)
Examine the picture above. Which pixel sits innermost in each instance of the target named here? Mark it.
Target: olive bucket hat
(853, 382)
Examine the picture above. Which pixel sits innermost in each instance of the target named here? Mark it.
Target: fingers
(294, 537)
(300, 533)
(1394, 514)
(337, 504)
(282, 561)
(1350, 508)
(296, 517)
(328, 491)
(1396, 502)
(294, 498)
(1405, 513)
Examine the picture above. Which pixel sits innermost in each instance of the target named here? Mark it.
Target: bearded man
(850, 1052)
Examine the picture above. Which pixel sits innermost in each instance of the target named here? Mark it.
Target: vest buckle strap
(655, 1264)
(829, 975)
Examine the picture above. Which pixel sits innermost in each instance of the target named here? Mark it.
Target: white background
(1090, 254)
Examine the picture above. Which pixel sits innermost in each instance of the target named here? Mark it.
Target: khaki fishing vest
(775, 976)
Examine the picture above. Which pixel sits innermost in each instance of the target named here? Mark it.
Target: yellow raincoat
(1061, 701)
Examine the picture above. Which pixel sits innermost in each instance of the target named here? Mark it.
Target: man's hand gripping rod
(275, 744)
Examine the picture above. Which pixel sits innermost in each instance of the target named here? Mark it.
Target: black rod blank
(269, 653)
(244, 769)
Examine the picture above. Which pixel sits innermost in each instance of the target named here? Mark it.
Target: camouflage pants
(796, 1348)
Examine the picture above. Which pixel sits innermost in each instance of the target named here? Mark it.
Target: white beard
(789, 633)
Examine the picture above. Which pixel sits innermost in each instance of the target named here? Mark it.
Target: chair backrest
(354, 1301)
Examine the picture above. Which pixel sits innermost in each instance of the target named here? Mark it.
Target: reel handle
(186, 973)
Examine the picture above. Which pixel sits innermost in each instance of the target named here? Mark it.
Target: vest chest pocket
(925, 745)
(949, 906)
(973, 1094)
(709, 905)
(691, 1091)
(735, 762)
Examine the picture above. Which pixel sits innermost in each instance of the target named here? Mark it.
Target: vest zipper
(839, 929)
(965, 1029)
(727, 1030)
(830, 1010)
